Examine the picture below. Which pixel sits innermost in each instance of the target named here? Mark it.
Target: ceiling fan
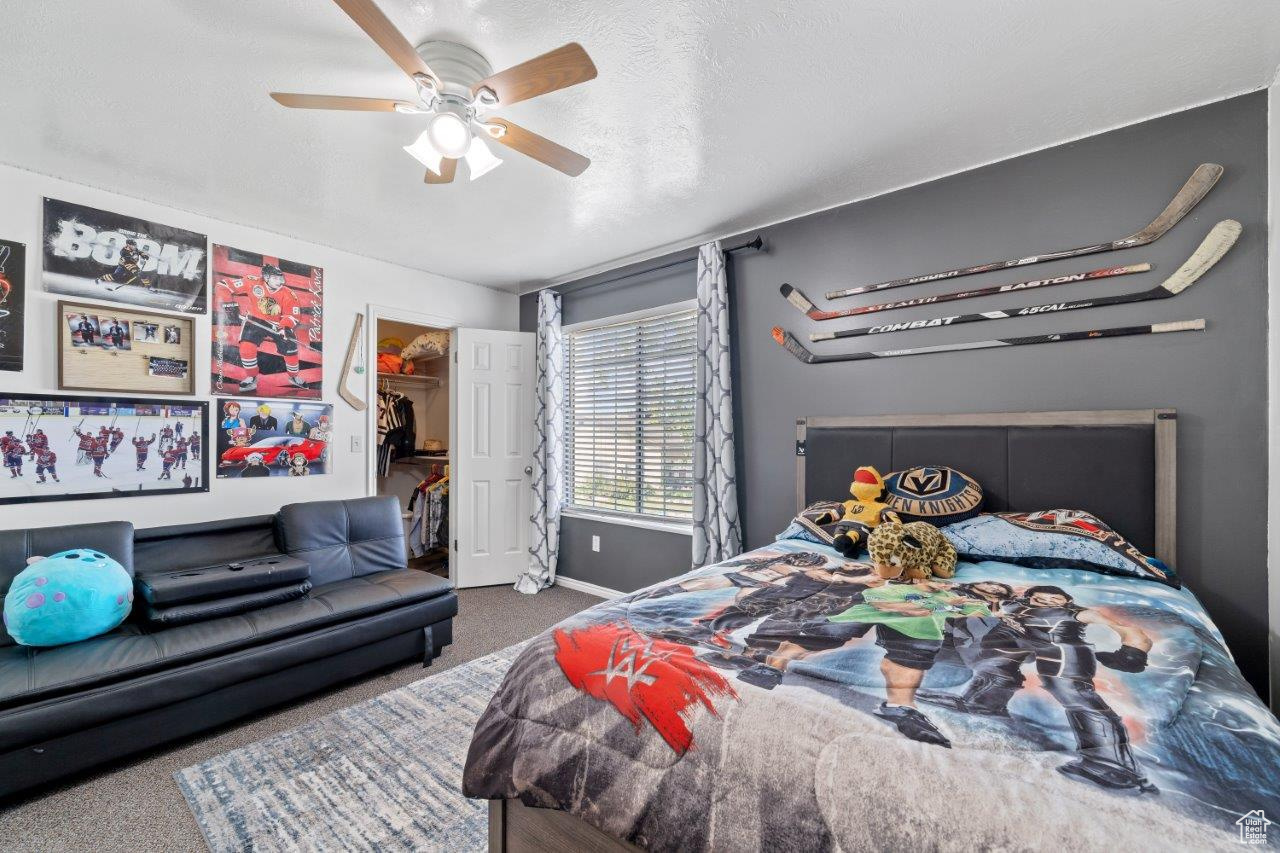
(458, 89)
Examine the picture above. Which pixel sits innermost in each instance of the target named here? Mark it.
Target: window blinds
(629, 441)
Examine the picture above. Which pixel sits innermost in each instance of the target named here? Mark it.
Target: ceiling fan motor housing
(458, 67)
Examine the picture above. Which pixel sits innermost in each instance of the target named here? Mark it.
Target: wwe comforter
(791, 699)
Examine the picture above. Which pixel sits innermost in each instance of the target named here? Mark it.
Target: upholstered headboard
(1119, 465)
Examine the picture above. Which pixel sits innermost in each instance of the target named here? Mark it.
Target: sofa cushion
(158, 550)
(114, 538)
(343, 539)
(28, 675)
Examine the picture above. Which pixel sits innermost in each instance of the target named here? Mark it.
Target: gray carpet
(138, 807)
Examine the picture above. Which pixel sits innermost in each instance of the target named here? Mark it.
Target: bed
(1120, 720)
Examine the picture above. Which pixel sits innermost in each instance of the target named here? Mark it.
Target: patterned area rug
(382, 775)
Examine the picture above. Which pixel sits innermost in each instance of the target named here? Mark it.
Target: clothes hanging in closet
(429, 514)
(396, 429)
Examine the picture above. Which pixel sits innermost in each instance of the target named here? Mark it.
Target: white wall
(351, 283)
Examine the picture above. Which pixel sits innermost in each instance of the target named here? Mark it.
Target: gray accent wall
(1092, 190)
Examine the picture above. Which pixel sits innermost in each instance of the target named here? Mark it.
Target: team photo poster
(102, 255)
(13, 270)
(268, 326)
(272, 438)
(57, 448)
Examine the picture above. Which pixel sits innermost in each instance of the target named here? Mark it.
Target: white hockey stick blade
(351, 399)
(1219, 239)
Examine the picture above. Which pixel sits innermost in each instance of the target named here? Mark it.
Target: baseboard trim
(588, 587)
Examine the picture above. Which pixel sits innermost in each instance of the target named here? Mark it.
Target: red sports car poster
(268, 325)
(272, 438)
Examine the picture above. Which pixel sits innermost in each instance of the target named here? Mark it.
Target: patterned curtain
(717, 535)
(548, 451)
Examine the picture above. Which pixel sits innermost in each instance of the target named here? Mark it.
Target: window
(629, 437)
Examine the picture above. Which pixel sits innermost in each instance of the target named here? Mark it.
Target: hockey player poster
(268, 324)
(273, 438)
(13, 268)
(68, 448)
(102, 255)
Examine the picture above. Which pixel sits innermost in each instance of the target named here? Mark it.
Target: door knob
(528, 470)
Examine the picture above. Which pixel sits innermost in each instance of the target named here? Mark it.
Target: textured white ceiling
(708, 116)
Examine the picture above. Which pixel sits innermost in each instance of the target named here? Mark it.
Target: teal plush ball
(71, 596)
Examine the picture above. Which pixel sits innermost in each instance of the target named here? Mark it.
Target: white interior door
(493, 449)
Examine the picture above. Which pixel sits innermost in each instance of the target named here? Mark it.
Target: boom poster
(13, 270)
(268, 326)
(97, 254)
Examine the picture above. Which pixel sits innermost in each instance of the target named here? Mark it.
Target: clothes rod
(755, 244)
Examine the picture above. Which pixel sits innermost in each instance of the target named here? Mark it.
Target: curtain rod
(753, 245)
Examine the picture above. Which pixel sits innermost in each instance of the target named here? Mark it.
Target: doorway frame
(374, 313)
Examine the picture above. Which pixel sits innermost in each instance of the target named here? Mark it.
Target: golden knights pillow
(935, 494)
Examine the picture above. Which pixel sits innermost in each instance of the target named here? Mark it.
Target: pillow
(1054, 539)
(817, 523)
(934, 494)
(71, 596)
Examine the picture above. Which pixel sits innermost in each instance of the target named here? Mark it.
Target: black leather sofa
(72, 707)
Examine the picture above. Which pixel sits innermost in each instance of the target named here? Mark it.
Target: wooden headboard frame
(1163, 421)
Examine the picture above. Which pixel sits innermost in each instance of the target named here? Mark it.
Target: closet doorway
(412, 427)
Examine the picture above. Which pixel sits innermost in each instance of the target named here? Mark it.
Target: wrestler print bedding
(790, 699)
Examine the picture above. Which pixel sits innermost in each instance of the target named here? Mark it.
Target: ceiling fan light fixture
(450, 134)
(480, 160)
(424, 152)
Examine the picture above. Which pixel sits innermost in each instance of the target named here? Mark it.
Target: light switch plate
(357, 443)
(595, 543)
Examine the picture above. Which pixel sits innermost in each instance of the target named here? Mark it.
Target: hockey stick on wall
(793, 346)
(1221, 238)
(1196, 188)
(352, 400)
(801, 303)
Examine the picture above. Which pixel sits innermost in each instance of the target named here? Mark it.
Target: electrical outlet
(357, 443)
(595, 544)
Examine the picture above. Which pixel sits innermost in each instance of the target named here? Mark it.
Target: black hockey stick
(802, 303)
(1215, 245)
(793, 346)
(1196, 188)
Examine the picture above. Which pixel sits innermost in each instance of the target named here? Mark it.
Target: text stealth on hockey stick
(1219, 239)
(1196, 188)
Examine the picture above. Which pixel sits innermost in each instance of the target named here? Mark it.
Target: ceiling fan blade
(540, 148)
(370, 18)
(448, 168)
(337, 102)
(563, 67)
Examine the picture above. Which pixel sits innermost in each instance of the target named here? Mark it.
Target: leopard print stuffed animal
(912, 551)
